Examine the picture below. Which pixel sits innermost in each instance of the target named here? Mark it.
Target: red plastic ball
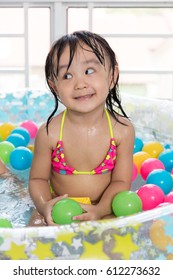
(169, 197)
(151, 196)
(134, 172)
(149, 165)
(31, 127)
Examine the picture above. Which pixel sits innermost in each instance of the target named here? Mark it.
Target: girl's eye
(89, 71)
(67, 76)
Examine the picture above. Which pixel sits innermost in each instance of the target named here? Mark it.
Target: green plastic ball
(5, 150)
(4, 223)
(126, 203)
(64, 210)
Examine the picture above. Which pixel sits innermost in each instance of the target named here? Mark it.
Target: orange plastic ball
(138, 159)
(153, 148)
(5, 130)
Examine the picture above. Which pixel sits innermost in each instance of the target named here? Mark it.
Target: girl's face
(85, 85)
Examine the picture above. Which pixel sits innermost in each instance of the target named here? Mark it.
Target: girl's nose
(80, 82)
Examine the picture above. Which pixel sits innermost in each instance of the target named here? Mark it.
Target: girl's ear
(53, 86)
(114, 77)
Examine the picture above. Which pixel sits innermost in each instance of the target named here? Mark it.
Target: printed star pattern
(124, 245)
(16, 252)
(43, 251)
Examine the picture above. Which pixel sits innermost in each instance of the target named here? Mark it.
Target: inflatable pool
(143, 236)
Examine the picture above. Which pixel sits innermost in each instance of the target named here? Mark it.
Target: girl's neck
(88, 119)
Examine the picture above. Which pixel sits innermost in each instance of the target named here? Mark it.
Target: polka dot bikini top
(60, 165)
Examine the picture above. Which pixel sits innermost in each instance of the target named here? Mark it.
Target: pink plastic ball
(31, 127)
(134, 172)
(169, 197)
(149, 165)
(151, 196)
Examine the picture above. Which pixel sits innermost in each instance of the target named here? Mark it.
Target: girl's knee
(36, 220)
(3, 168)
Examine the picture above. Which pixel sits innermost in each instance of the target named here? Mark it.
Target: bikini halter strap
(62, 124)
(109, 123)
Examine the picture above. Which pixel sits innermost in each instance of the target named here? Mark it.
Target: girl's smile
(84, 97)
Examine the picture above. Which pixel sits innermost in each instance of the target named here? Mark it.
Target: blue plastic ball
(167, 146)
(162, 179)
(21, 158)
(16, 139)
(138, 144)
(167, 159)
(24, 132)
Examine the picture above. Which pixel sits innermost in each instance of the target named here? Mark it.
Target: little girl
(87, 150)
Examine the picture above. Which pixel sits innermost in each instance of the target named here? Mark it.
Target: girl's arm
(39, 188)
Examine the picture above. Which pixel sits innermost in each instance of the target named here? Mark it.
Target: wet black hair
(100, 48)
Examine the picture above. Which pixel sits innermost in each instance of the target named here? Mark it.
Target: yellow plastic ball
(139, 157)
(5, 130)
(31, 147)
(153, 148)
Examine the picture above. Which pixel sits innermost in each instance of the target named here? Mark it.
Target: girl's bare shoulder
(122, 122)
(51, 131)
(123, 129)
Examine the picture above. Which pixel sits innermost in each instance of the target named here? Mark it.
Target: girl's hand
(91, 213)
(47, 213)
